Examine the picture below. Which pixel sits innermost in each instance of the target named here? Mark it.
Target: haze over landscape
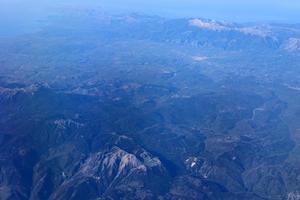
(230, 10)
(147, 100)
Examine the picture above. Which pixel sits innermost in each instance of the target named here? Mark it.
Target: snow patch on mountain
(293, 196)
(10, 92)
(199, 58)
(260, 31)
(292, 44)
(65, 123)
(210, 25)
(255, 31)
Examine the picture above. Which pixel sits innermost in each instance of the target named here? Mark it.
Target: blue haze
(22, 14)
(231, 10)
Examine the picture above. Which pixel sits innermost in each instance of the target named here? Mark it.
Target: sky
(231, 10)
(228, 10)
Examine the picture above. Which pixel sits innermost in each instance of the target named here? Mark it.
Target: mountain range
(97, 106)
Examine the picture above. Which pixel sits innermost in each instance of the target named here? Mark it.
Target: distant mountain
(200, 32)
(95, 106)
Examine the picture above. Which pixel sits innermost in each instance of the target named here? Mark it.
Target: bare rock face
(102, 107)
(108, 172)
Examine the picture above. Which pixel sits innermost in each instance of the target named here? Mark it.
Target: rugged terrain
(95, 106)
